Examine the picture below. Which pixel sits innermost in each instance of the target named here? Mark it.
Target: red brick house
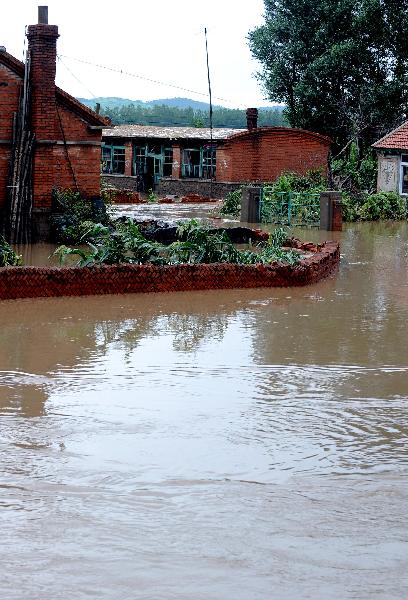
(180, 160)
(67, 135)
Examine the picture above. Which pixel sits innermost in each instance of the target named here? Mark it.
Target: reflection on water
(214, 444)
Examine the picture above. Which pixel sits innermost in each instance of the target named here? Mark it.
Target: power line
(136, 76)
(74, 76)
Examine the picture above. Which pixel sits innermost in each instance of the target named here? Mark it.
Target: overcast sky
(156, 39)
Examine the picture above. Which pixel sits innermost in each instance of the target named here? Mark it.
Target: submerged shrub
(383, 205)
(71, 212)
(196, 244)
(232, 203)
(8, 258)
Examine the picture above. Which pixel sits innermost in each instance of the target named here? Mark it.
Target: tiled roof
(64, 98)
(173, 133)
(396, 139)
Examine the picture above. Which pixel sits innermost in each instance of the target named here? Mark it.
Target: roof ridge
(390, 134)
(17, 66)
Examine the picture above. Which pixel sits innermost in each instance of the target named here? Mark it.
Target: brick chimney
(42, 47)
(252, 118)
(42, 51)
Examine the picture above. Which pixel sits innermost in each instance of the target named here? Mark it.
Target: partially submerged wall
(36, 282)
(174, 187)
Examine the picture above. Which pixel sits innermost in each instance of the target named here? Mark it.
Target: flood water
(242, 444)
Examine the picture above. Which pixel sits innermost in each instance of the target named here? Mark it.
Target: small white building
(392, 152)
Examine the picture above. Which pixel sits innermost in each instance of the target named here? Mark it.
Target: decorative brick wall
(35, 282)
(265, 153)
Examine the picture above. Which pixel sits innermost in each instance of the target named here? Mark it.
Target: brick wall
(10, 85)
(175, 187)
(77, 162)
(67, 153)
(203, 187)
(34, 282)
(265, 153)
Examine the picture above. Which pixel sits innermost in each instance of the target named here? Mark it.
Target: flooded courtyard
(238, 444)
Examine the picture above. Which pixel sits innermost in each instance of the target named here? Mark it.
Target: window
(191, 163)
(113, 159)
(199, 162)
(139, 160)
(168, 162)
(118, 160)
(404, 176)
(209, 160)
(106, 159)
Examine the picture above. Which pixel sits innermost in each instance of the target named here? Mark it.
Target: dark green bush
(374, 207)
(8, 258)
(232, 203)
(353, 174)
(314, 181)
(384, 206)
(72, 215)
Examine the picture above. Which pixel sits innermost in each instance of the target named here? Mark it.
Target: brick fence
(35, 282)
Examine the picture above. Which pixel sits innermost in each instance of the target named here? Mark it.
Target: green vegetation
(141, 114)
(340, 66)
(232, 204)
(196, 244)
(8, 258)
(374, 207)
(313, 182)
(152, 197)
(73, 215)
(347, 81)
(359, 202)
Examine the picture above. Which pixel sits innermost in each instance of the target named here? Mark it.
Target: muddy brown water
(211, 445)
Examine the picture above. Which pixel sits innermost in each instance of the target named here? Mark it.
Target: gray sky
(157, 39)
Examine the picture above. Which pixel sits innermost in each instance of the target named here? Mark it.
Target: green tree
(171, 115)
(340, 66)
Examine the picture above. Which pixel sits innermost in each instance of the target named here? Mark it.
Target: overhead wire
(144, 78)
(74, 76)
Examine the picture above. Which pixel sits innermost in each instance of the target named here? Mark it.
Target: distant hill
(179, 112)
(182, 103)
(114, 102)
(110, 102)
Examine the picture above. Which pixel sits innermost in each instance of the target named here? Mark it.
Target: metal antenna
(211, 110)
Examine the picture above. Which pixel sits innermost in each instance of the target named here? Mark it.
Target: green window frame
(167, 162)
(199, 162)
(113, 160)
(163, 160)
(139, 160)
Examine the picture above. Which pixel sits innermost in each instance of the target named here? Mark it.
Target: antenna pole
(211, 109)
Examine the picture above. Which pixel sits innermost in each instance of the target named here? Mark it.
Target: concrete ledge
(37, 282)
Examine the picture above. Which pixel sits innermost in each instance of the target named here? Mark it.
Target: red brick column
(128, 158)
(223, 165)
(176, 168)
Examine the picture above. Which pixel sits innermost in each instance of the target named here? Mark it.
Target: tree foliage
(340, 66)
(188, 117)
